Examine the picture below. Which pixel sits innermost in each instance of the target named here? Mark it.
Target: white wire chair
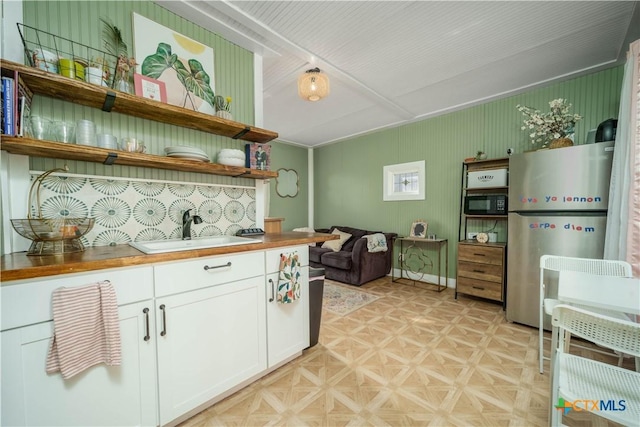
(612, 296)
(562, 263)
(580, 381)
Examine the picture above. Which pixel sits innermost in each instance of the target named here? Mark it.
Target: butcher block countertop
(19, 266)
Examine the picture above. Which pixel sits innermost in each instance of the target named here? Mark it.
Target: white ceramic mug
(93, 75)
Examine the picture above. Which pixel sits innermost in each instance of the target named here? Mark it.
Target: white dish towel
(86, 329)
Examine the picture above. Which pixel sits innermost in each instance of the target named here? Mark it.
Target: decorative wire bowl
(51, 236)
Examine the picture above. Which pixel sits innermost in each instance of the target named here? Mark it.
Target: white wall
(11, 46)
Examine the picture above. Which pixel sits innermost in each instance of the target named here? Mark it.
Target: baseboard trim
(427, 279)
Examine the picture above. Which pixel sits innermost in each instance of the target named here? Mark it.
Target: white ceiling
(393, 62)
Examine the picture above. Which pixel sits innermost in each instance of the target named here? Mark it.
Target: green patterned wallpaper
(80, 21)
(348, 175)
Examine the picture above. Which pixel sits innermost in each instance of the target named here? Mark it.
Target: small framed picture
(150, 88)
(419, 229)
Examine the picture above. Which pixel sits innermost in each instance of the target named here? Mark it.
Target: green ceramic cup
(79, 69)
(67, 67)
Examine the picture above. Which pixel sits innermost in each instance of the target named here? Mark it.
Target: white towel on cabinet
(86, 329)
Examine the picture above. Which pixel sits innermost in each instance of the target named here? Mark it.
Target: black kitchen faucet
(187, 219)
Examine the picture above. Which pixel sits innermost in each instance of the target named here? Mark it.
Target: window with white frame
(404, 181)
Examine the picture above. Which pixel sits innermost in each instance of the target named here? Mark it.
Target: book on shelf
(258, 156)
(1, 107)
(8, 106)
(24, 97)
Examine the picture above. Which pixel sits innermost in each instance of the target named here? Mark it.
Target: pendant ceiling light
(313, 85)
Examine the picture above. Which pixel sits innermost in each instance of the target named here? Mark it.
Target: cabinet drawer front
(203, 272)
(28, 302)
(483, 254)
(475, 270)
(273, 257)
(480, 288)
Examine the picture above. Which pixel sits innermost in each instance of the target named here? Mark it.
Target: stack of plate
(189, 153)
(231, 157)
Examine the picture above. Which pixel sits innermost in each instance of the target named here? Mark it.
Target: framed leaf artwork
(184, 65)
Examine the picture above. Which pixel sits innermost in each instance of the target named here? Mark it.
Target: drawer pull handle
(479, 254)
(213, 267)
(164, 321)
(273, 292)
(146, 319)
(478, 287)
(478, 271)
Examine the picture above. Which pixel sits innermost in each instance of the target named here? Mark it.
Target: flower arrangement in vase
(551, 128)
(223, 107)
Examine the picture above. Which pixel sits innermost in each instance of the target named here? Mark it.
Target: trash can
(316, 288)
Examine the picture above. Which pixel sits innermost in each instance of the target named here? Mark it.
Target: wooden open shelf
(107, 99)
(486, 189)
(59, 150)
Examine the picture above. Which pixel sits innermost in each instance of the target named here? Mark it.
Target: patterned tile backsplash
(132, 210)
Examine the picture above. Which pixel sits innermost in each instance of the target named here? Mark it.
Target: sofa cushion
(336, 245)
(341, 260)
(315, 253)
(356, 234)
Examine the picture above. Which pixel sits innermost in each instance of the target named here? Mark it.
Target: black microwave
(485, 204)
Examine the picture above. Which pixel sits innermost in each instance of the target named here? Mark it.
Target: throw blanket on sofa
(289, 279)
(376, 242)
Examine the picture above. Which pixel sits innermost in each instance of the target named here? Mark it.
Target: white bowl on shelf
(231, 161)
(231, 153)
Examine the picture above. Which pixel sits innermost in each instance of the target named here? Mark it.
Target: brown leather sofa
(353, 264)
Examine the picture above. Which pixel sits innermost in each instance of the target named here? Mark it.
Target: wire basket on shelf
(60, 55)
(51, 236)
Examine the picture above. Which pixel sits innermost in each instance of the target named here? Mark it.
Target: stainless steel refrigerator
(557, 206)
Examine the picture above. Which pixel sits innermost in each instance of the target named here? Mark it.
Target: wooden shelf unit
(110, 100)
(59, 150)
(479, 165)
(481, 267)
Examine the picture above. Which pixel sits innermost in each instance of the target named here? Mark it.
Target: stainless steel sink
(162, 246)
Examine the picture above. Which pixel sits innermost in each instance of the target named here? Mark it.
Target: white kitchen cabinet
(212, 338)
(207, 335)
(102, 395)
(287, 324)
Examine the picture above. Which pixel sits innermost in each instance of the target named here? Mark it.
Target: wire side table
(415, 262)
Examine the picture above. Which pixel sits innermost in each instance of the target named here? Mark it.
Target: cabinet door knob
(146, 319)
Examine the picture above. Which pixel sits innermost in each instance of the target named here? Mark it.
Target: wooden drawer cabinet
(481, 253)
(481, 270)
